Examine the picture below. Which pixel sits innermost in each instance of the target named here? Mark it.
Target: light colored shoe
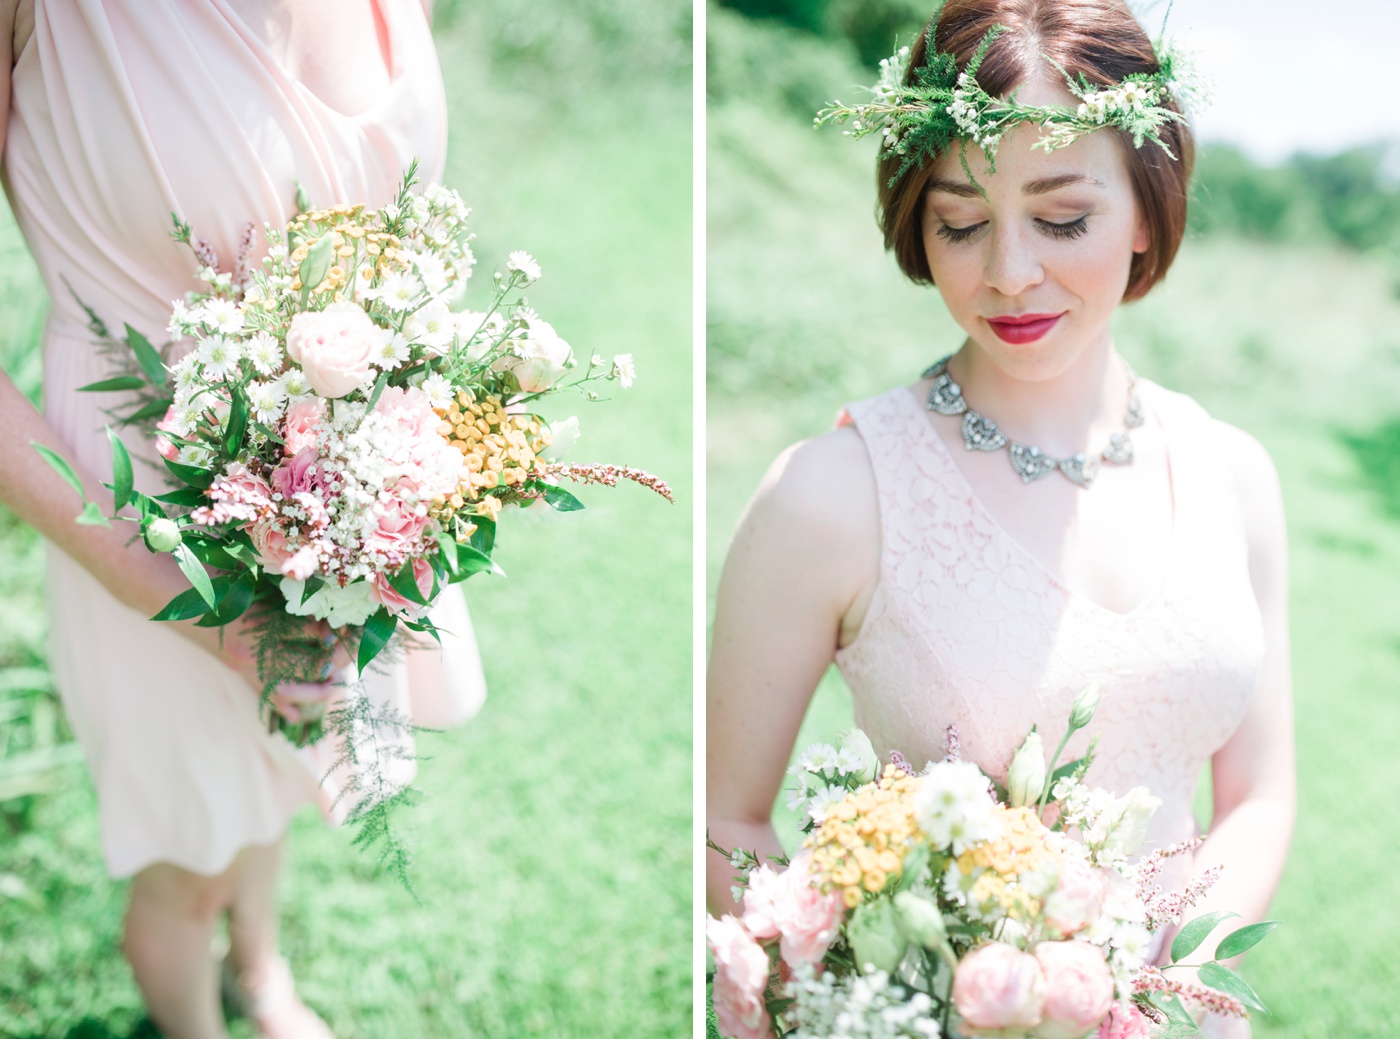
(272, 1004)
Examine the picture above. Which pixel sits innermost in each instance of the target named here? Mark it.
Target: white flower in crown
(1093, 107)
(1135, 95)
(525, 264)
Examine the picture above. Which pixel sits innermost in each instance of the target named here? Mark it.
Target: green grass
(1299, 345)
(554, 846)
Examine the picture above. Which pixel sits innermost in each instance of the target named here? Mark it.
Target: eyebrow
(1043, 186)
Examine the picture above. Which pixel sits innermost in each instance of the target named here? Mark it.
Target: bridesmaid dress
(966, 628)
(122, 113)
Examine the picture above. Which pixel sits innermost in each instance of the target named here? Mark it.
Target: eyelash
(1072, 229)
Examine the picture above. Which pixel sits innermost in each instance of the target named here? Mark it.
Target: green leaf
(559, 498)
(1189, 938)
(471, 560)
(424, 625)
(147, 356)
(311, 587)
(232, 604)
(60, 466)
(121, 382)
(1223, 979)
(121, 472)
(154, 409)
(194, 570)
(268, 433)
(237, 424)
(406, 585)
(484, 537)
(447, 545)
(316, 266)
(378, 630)
(148, 507)
(190, 474)
(91, 516)
(1246, 938)
(1064, 770)
(189, 603)
(379, 385)
(189, 497)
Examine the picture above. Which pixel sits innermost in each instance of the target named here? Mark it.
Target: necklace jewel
(1031, 463)
(980, 433)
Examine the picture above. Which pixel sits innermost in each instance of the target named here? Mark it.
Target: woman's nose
(1012, 263)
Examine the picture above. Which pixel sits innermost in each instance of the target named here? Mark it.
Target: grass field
(553, 849)
(1298, 345)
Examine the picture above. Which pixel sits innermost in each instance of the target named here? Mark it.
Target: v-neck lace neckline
(919, 418)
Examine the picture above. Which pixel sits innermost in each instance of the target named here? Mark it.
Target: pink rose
(302, 423)
(167, 424)
(297, 474)
(765, 892)
(334, 347)
(809, 920)
(382, 592)
(271, 544)
(998, 986)
(1125, 1022)
(400, 529)
(741, 976)
(1076, 900)
(1078, 986)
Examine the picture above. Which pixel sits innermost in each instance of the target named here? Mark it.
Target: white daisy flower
(223, 315)
(268, 399)
(392, 350)
(399, 290)
(438, 389)
(193, 454)
(432, 325)
(524, 263)
(432, 270)
(294, 382)
(265, 353)
(185, 374)
(179, 320)
(219, 355)
(624, 371)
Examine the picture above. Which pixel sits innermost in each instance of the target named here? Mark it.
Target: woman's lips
(1023, 328)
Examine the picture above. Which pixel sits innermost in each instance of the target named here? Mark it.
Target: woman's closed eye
(1068, 229)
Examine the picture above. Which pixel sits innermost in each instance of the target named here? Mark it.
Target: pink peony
(1078, 986)
(1075, 902)
(165, 447)
(807, 919)
(382, 592)
(763, 896)
(303, 421)
(741, 977)
(297, 474)
(334, 347)
(1125, 1022)
(998, 986)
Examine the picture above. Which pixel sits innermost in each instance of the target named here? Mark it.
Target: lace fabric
(967, 628)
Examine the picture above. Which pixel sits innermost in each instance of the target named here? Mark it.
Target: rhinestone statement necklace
(980, 433)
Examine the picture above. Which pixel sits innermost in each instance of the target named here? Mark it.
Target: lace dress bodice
(966, 628)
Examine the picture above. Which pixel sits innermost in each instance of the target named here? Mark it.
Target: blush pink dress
(966, 628)
(120, 114)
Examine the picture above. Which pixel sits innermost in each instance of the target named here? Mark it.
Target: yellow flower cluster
(346, 226)
(863, 839)
(499, 451)
(1020, 848)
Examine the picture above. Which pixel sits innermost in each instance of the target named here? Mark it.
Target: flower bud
(1026, 778)
(875, 936)
(859, 745)
(162, 535)
(1082, 713)
(919, 919)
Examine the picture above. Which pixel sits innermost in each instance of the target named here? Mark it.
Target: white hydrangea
(332, 603)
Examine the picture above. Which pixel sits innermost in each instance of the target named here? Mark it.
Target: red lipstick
(1023, 328)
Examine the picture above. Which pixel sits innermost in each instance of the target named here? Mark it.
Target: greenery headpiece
(920, 120)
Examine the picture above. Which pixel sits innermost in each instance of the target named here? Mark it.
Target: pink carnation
(400, 530)
(741, 977)
(271, 544)
(809, 920)
(382, 592)
(765, 893)
(302, 424)
(1078, 986)
(1125, 1021)
(297, 474)
(998, 986)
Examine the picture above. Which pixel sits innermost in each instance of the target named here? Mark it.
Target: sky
(1289, 76)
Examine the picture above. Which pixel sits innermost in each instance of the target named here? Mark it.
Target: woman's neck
(1073, 410)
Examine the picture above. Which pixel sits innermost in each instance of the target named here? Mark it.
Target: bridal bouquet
(341, 441)
(935, 903)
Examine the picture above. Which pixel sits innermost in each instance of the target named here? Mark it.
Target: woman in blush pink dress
(119, 114)
(950, 589)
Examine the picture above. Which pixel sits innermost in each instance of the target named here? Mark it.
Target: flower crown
(920, 120)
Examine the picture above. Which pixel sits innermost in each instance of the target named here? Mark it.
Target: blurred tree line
(800, 54)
